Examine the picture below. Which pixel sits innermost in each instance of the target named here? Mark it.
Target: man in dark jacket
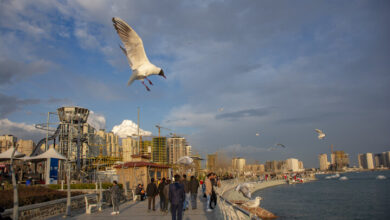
(176, 197)
(115, 197)
(151, 192)
(194, 185)
(161, 193)
(186, 184)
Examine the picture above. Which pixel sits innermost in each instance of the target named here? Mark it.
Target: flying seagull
(254, 203)
(135, 53)
(321, 134)
(282, 145)
(244, 189)
(185, 160)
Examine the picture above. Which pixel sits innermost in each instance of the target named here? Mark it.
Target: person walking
(176, 197)
(186, 191)
(166, 195)
(208, 190)
(194, 185)
(151, 192)
(115, 196)
(161, 194)
(214, 183)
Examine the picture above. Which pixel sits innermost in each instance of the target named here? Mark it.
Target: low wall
(227, 210)
(50, 208)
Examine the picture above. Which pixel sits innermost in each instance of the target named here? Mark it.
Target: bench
(88, 206)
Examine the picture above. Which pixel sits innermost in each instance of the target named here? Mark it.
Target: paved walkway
(139, 210)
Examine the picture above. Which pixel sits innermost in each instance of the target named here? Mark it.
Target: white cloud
(20, 130)
(129, 128)
(96, 120)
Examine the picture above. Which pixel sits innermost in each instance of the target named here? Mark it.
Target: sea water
(361, 196)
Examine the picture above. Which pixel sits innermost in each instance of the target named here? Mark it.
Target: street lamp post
(15, 214)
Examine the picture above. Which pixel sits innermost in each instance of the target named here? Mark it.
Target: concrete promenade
(139, 210)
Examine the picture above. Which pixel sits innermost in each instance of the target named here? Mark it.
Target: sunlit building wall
(323, 159)
(176, 148)
(292, 164)
(7, 141)
(25, 146)
(366, 161)
(211, 162)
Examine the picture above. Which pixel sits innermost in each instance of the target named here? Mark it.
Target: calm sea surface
(362, 196)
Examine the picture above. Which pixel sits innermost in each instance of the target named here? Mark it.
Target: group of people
(208, 188)
(178, 194)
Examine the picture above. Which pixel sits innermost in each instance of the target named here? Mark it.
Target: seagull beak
(162, 74)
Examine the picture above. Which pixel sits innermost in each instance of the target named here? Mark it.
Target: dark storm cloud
(243, 114)
(11, 70)
(10, 104)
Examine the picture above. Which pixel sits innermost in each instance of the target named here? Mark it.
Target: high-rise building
(323, 159)
(146, 148)
(234, 163)
(256, 169)
(292, 164)
(188, 150)
(110, 142)
(211, 162)
(386, 159)
(341, 160)
(7, 141)
(159, 150)
(271, 166)
(378, 160)
(129, 145)
(177, 148)
(366, 161)
(240, 164)
(300, 165)
(25, 146)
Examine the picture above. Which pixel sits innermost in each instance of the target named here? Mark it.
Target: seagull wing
(134, 47)
(318, 131)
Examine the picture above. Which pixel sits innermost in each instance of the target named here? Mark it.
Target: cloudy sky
(234, 69)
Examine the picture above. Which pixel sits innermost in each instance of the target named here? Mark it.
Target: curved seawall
(228, 210)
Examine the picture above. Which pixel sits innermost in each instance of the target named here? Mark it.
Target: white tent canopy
(6, 155)
(51, 153)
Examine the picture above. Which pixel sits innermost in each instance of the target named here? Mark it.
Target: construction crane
(159, 129)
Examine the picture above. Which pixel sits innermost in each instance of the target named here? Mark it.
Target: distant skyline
(242, 76)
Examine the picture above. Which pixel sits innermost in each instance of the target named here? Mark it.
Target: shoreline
(233, 195)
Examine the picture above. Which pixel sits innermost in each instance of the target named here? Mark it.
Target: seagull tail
(132, 78)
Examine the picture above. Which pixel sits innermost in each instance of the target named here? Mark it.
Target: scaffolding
(80, 143)
(159, 151)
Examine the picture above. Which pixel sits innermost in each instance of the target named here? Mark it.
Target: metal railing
(229, 210)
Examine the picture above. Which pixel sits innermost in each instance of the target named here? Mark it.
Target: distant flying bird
(321, 134)
(135, 53)
(244, 189)
(254, 203)
(257, 134)
(282, 145)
